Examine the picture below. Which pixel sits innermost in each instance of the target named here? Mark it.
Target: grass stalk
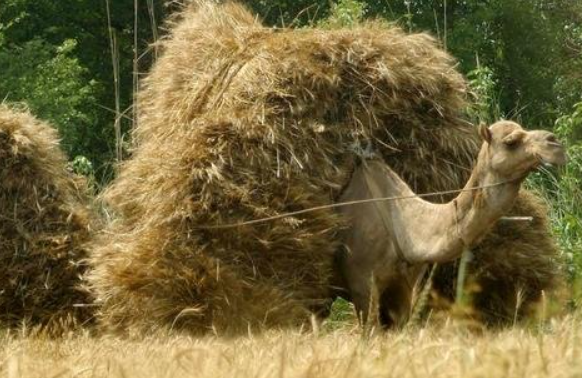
(135, 56)
(114, 46)
(445, 25)
(154, 26)
(460, 297)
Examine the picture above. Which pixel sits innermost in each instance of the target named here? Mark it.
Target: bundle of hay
(238, 122)
(510, 270)
(44, 222)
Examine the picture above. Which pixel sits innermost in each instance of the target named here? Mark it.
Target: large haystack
(44, 223)
(237, 122)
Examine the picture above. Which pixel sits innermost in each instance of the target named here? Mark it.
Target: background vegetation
(77, 64)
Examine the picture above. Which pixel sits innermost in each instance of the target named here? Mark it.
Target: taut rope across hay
(350, 203)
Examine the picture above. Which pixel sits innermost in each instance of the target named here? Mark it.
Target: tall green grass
(562, 191)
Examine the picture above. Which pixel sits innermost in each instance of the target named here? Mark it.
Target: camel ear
(485, 133)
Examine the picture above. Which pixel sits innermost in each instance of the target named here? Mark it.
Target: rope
(348, 203)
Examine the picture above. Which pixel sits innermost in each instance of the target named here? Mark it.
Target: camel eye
(511, 142)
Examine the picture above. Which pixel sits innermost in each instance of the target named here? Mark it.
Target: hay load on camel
(44, 225)
(236, 122)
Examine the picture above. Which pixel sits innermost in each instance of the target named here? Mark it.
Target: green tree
(521, 41)
(56, 57)
(53, 83)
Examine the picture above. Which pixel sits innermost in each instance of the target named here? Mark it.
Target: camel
(388, 244)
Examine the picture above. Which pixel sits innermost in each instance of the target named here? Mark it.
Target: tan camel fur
(388, 244)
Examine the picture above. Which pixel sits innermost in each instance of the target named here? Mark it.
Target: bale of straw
(44, 223)
(238, 122)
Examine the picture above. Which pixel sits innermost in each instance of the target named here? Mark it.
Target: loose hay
(44, 222)
(237, 122)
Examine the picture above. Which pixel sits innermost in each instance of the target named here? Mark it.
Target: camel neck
(429, 232)
(485, 198)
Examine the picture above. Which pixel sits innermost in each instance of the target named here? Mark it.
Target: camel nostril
(551, 138)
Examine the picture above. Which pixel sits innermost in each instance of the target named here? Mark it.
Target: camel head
(510, 152)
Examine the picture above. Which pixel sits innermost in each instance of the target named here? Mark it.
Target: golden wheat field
(447, 350)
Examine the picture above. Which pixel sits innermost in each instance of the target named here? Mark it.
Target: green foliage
(342, 313)
(54, 85)
(562, 191)
(290, 12)
(485, 107)
(345, 13)
(82, 166)
(62, 48)
(522, 41)
(570, 126)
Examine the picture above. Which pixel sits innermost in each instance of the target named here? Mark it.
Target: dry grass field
(447, 350)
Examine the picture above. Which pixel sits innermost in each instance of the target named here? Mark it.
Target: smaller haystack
(44, 222)
(510, 268)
